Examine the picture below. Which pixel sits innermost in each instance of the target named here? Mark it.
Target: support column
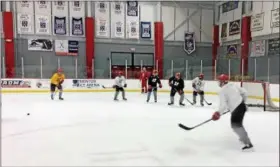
(158, 41)
(245, 38)
(215, 45)
(89, 34)
(8, 29)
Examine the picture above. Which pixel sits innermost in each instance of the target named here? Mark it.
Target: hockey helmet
(59, 70)
(120, 73)
(201, 76)
(178, 75)
(223, 79)
(155, 72)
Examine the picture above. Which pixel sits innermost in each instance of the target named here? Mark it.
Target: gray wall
(32, 60)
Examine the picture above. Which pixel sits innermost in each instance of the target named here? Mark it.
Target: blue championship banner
(189, 42)
(146, 30)
(229, 6)
(132, 8)
(231, 51)
(73, 48)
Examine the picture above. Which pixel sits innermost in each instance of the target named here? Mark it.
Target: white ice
(90, 129)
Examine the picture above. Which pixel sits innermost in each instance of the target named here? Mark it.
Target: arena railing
(258, 70)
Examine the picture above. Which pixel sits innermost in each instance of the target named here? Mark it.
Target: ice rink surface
(90, 129)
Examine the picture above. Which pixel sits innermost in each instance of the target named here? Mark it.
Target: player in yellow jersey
(56, 82)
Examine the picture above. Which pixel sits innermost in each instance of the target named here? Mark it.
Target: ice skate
(248, 147)
(181, 104)
(171, 103)
(61, 98)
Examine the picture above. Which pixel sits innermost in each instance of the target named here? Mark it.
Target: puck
(28, 113)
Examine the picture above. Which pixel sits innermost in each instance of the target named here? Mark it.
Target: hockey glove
(60, 82)
(160, 86)
(193, 85)
(216, 116)
(180, 92)
(125, 85)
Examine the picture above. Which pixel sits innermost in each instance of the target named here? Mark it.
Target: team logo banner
(15, 84)
(132, 8)
(40, 45)
(25, 24)
(234, 27)
(257, 22)
(189, 42)
(133, 30)
(118, 8)
(275, 18)
(224, 31)
(59, 25)
(146, 30)
(274, 46)
(231, 51)
(102, 7)
(25, 7)
(43, 25)
(77, 8)
(77, 26)
(66, 48)
(102, 29)
(229, 6)
(258, 48)
(43, 7)
(60, 8)
(119, 29)
(85, 83)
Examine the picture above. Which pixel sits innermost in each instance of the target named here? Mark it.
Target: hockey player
(233, 97)
(152, 85)
(177, 85)
(119, 85)
(143, 80)
(56, 82)
(198, 88)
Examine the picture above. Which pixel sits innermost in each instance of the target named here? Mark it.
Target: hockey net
(259, 95)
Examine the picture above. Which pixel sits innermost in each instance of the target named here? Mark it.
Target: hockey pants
(154, 90)
(237, 123)
(201, 94)
(118, 89)
(172, 94)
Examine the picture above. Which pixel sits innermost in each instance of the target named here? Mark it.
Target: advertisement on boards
(15, 83)
(85, 83)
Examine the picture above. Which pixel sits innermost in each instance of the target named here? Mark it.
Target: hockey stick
(106, 87)
(207, 102)
(189, 101)
(202, 123)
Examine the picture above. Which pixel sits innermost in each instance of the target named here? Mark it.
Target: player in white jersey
(233, 97)
(119, 85)
(198, 88)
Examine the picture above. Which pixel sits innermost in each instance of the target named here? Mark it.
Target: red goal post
(259, 95)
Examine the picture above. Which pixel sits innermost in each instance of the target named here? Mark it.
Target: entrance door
(133, 61)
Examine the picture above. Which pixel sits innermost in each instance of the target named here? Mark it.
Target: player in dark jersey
(177, 85)
(153, 81)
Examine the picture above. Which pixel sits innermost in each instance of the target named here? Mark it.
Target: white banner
(77, 26)
(275, 18)
(25, 7)
(43, 24)
(258, 48)
(60, 8)
(77, 8)
(119, 29)
(61, 47)
(43, 7)
(257, 22)
(117, 19)
(25, 23)
(133, 29)
(102, 28)
(102, 19)
(40, 44)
